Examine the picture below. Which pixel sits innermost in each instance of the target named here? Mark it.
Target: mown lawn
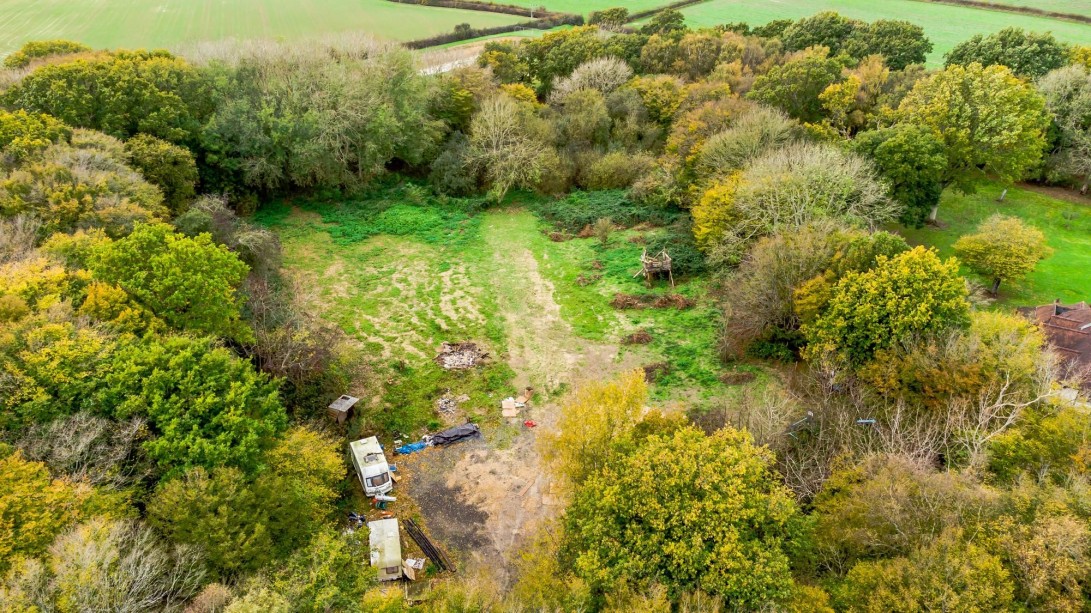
(171, 23)
(1067, 225)
(946, 25)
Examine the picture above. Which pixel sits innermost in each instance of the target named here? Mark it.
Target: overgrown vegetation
(198, 255)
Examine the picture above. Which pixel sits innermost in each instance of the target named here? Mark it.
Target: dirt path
(493, 498)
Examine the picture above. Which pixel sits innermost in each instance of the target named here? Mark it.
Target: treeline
(160, 398)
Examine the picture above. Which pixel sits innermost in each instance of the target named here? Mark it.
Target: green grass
(945, 25)
(1072, 7)
(171, 23)
(1067, 226)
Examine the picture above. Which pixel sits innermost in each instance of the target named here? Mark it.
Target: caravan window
(378, 480)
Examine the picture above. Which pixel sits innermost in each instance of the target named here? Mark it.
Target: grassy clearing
(399, 274)
(1067, 225)
(170, 23)
(946, 25)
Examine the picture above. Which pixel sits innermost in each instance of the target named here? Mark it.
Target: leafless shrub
(18, 236)
(604, 74)
(89, 448)
(122, 567)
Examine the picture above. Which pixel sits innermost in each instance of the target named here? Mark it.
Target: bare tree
(89, 448)
(121, 567)
(18, 235)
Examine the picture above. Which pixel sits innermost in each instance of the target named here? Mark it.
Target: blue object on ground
(410, 448)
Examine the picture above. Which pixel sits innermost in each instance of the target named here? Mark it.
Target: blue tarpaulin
(411, 448)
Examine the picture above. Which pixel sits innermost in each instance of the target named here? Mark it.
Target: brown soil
(650, 301)
(640, 337)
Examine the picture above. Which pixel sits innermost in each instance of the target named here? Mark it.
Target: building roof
(385, 543)
(344, 403)
(1068, 329)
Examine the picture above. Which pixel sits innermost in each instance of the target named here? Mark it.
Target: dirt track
(481, 501)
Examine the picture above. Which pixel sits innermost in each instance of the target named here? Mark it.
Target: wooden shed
(341, 409)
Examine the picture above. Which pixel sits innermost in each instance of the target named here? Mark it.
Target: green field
(1067, 226)
(585, 7)
(169, 23)
(1072, 7)
(946, 25)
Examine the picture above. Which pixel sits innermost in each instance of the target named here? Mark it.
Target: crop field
(945, 24)
(1067, 226)
(169, 23)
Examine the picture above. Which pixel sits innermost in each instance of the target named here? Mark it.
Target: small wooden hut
(341, 409)
(652, 266)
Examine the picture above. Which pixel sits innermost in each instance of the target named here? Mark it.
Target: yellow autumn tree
(714, 212)
(34, 507)
(597, 416)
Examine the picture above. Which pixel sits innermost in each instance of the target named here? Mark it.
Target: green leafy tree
(341, 130)
(828, 29)
(912, 159)
(688, 511)
(1003, 249)
(795, 85)
(665, 22)
(991, 123)
(190, 283)
(170, 167)
(505, 62)
(120, 93)
(910, 295)
(40, 49)
(244, 524)
(221, 512)
(207, 407)
(611, 18)
(558, 53)
(901, 43)
(1027, 54)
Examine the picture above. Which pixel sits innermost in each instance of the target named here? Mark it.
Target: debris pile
(460, 356)
(640, 337)
(652, 372)
(449, 404)
(650, 301)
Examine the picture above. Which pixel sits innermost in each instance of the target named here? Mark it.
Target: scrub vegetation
(740, 313)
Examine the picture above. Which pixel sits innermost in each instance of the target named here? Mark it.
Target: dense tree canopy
(991, 123)
(690, 511)
(907, 296)
(912, 159)
(191, 283)
(1027, 54)
(121, 94)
